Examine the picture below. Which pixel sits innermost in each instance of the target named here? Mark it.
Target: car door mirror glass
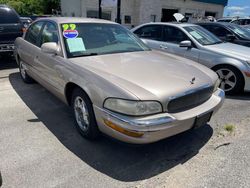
(186, 44)
(50, 48)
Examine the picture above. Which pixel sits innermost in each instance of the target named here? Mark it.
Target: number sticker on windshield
(69, 31)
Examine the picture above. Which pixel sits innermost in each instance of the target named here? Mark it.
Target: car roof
(215, 23)
(61, 20)
(170, 24)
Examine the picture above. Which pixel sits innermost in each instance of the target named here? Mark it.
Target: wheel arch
(68, 91)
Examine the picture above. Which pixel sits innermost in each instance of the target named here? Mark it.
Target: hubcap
(81, 113)
(22, 70)
(228, 79)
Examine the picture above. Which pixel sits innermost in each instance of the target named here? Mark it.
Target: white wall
(140, 10)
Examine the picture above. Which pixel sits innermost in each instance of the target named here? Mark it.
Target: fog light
(122, 130)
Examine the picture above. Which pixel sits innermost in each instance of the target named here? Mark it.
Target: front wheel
(232, 81)
(84, 114)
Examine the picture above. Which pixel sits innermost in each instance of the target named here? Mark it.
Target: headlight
(217, 84)
(133, 108)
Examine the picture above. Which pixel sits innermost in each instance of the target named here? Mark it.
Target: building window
(153, 18)
(95, 14)
(127, 19)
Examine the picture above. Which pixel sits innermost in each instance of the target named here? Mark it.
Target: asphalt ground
(40, 147)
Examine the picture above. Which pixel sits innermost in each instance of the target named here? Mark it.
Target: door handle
(164, 47)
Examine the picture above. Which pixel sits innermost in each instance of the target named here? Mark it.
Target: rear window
(8, 15)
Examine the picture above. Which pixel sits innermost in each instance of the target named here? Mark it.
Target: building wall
(141, 11)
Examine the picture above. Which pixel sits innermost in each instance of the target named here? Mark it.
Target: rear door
(10, 26)
(29, 48)
(152, 35)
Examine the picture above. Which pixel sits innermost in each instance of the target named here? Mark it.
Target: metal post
(119, 12)
(100, 9)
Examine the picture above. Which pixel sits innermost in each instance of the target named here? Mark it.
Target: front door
(172, 37)
(50, 64)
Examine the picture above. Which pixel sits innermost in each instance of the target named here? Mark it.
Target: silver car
(230, 61)
(114, 83)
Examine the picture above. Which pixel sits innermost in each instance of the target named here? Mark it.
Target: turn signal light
(122, 130)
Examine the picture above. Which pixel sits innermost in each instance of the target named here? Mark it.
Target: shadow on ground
(242, 96)
(119, 161)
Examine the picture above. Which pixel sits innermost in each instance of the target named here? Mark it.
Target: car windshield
(240, 31)
(89, 39)
(202, 36)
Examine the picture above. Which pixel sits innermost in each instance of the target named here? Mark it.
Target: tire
(25, 77)
(84, 116)
(232, 80)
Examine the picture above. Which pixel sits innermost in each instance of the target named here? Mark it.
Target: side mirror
(230, 37)
(50, 48)
(186, 44)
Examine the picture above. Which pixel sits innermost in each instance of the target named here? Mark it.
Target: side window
(220, 31)
(153, 32)
(33, 32)
(174, 35)
(49, 34)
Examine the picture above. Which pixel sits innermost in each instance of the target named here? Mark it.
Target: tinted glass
(86, 39)
(174, 35)
(32, 34)
(49, 34)
(239, 22)
(203, 36)
(240, 31)
(219, 31)
(153, 32)
(224, 20)
(8, 15)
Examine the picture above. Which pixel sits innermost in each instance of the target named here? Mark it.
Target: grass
(229, 128)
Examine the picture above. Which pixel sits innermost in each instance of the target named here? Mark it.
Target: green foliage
(33, 7)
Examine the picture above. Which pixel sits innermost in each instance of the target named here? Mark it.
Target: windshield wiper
(86, 55)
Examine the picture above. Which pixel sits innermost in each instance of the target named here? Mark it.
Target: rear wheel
(84, 114)
(232, 81)
(25, 77)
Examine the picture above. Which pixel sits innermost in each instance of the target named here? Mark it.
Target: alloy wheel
(81, 114)
(228, 79)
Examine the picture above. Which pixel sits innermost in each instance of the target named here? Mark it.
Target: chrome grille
(189, 101)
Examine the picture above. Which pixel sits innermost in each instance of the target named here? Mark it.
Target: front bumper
(156, 127)
(247, 81)
(7, 47)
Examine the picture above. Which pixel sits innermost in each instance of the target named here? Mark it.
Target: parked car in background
(241, 21)
(10, 28)
(230, 61)
(114, 83)
(225, 19)
(228, 32)
(247, 27)
(26, 21)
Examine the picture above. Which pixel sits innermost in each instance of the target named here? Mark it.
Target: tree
(33, 7)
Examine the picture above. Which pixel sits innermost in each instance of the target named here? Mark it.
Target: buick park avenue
(114, 83)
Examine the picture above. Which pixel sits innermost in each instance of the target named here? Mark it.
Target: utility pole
(100, 9)
(118, 12)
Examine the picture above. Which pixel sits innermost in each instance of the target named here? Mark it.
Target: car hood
(149, 75)
(232, 50)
